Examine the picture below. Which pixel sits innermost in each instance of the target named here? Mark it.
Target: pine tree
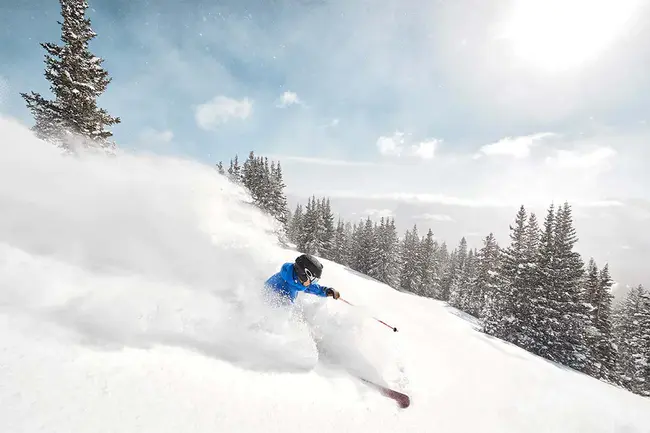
(339, 252)
(375, 270)
(263, 192)
(449, 272)
(601, 345)
(278, 200)
(328, 229)
(506, 306)
(532, 286)
(296, 225)
(234, 171)
(428, 256)
(591, 293)
(77, 80)
(574, 351)
(632, 337)
(390, 249)
(563, 318)
(310, 241)
(459, 285)
(442, 263)
(349, 244)
(250, 176)
(487, 278)
(385, 260)
(366, 248)
(410, 262)
(468, 280)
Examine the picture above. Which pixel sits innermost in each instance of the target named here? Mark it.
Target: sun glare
(557, 35)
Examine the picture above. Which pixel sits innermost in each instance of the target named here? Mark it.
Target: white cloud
(592, 159)
(395, 146)
(220, 110)
(435, 217)
(391, 146)
(289, 98)
(378, 213)
(516, 147)
(425, 149)
(419, 198)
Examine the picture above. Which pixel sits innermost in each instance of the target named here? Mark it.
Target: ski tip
(402, 400)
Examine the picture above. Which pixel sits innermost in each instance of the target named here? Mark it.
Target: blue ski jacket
(286, 283)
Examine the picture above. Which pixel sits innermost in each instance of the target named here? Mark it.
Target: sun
(557, 35)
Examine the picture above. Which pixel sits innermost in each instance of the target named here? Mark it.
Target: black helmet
(308, 268)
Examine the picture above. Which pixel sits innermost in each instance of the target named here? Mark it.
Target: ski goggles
(311, 277)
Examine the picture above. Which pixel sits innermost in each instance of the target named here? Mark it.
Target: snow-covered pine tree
(366, 247)
(507, 305)
(442, 262)
(340, 244)
(386, 267)
(591, 289)
(563, 318)
(644, 321)
(77, 79)
(458, 289)
(573, 349)
(601, 343)
(234, 171)
(312, 227)
(532, 285)
(428, 256)
(264, 192)
(487, 278)
(469, 281)
(348, 247)
(376, 268)
(250, 175)
(391, 254)
(632, 337)
(355, 256)
(328, 229)
(410, 262)
(295, 225)
(278, 202)
(449, 273)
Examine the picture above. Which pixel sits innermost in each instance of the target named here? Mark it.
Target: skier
(300, 276)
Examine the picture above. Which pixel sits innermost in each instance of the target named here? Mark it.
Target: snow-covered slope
(130, 302)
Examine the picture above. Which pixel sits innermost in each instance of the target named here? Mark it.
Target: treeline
(536, 292)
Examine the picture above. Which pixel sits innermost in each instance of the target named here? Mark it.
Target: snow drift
(130, 300)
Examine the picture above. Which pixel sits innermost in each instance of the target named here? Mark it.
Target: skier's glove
(332, 292)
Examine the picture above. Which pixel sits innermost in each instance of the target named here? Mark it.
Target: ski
(401, 399)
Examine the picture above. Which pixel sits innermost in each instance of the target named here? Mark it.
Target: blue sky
(387, 106)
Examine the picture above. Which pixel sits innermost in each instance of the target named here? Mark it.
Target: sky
(449, 115)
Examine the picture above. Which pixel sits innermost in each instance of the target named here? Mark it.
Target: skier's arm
(323, 291)
(316, 289)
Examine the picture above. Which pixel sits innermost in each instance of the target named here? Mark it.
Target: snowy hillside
(129, 302)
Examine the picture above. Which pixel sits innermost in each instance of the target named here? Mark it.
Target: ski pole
(380, 321)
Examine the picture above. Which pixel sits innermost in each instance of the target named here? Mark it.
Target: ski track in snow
(130, 301)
